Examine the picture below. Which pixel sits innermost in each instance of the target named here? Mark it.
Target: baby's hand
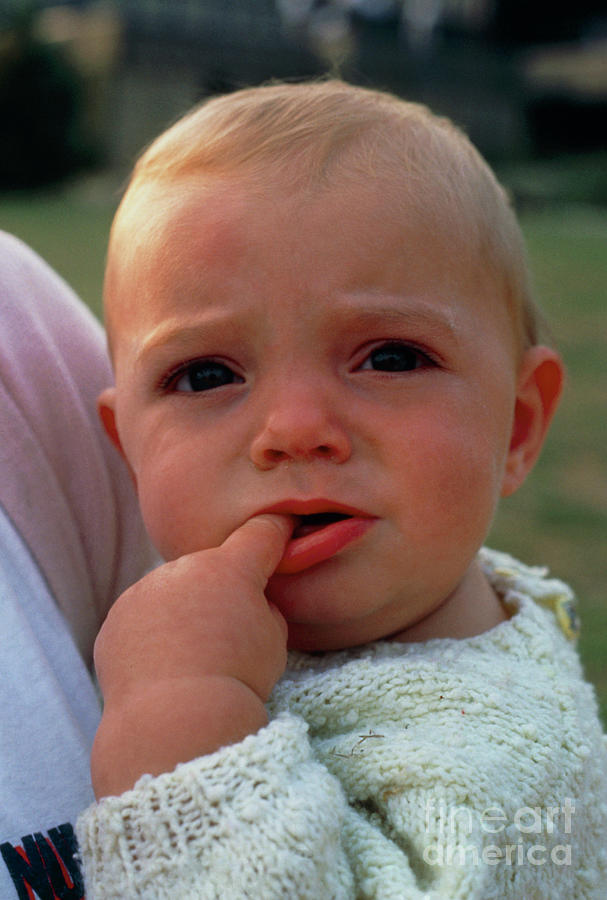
(188, 655)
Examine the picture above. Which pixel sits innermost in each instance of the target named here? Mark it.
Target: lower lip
(318, 546)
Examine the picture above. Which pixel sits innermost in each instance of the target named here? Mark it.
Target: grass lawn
(69, 229)
(559, 518)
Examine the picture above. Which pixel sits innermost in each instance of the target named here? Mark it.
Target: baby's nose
(300, 426)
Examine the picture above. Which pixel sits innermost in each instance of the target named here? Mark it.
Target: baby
(327, 372)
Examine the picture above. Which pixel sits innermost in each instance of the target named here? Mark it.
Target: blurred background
(84, 86)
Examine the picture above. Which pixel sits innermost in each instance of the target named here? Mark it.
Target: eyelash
(169, 381)
(422, 358)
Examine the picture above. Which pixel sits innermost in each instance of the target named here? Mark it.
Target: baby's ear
(539, 387)
(106, 406)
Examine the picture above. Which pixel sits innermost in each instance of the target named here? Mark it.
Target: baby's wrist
(170, 723)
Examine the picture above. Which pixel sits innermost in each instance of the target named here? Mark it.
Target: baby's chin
(320, 620)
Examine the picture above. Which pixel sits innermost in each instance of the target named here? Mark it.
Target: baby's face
(325, 356)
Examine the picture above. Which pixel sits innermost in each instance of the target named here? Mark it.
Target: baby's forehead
(169, 234)
(154, 211)
(158, 221)
(226, 217)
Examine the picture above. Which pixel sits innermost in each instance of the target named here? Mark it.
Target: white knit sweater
(464, 769)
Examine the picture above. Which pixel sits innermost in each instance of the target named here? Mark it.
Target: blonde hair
(314, 133)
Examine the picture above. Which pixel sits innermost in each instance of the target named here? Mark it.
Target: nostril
(275, 455)
(271, 448)
(323, 451)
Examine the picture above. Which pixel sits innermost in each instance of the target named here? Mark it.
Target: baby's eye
(203, 375)
(396, 357)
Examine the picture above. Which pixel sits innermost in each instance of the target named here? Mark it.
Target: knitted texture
(464, 769)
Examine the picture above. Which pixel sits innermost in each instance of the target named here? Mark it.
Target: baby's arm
(188, 656)
(186, 659)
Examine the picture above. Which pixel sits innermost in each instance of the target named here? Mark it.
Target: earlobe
(540, 384)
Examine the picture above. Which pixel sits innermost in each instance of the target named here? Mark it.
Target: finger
(259, 543)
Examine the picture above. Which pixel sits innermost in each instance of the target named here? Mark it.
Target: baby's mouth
(318, 537)
(308, 524)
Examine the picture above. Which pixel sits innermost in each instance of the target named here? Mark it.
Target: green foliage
(41, 111)
(571, 178)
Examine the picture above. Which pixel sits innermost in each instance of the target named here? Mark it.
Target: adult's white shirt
(71, 540)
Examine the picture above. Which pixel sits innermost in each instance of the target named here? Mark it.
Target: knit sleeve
(453, 771)
(260, 818)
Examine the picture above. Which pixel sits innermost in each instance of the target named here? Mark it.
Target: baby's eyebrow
(179, 333)
(424, 321)
(432, 320)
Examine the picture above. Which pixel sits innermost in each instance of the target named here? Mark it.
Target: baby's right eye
(202, 375)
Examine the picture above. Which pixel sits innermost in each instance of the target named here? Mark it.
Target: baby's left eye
(396, 357)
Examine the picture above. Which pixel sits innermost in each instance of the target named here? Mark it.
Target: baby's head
(307, 137)
(318, 304)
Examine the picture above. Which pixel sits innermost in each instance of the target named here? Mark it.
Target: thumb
(258, 544)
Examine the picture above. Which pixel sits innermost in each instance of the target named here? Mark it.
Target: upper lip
(313, 506)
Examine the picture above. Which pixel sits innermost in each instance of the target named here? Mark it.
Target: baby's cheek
(464, 475)
(167, 514)
(156, 526)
